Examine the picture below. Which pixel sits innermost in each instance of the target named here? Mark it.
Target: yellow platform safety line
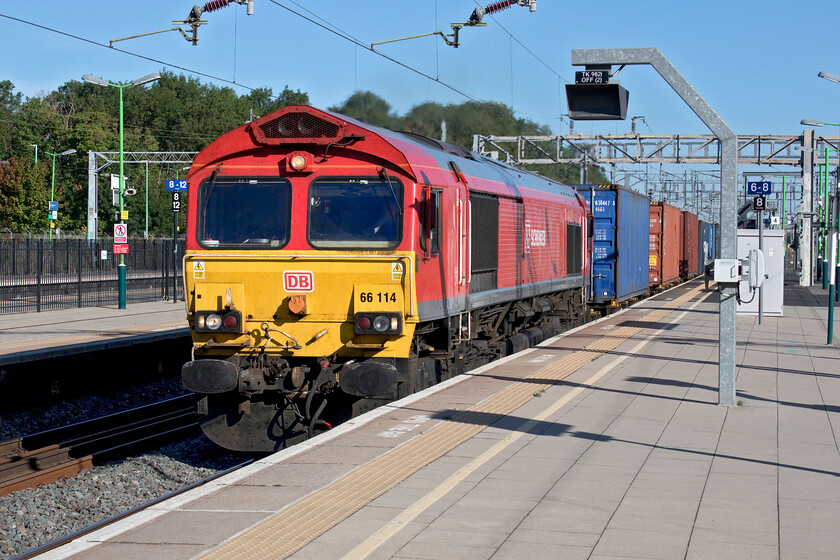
(318, 512)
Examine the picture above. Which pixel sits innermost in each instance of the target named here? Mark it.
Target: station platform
(29, 337)
(606, 442)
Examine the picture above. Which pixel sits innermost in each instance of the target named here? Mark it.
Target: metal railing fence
(37, 274)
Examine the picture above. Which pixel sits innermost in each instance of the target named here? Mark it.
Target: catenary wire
(338, 32)
(130, 53)
(327, 26)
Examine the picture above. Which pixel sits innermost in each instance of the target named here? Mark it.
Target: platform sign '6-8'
(759, 188)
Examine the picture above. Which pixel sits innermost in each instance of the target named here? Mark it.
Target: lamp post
(830, 77)
(52, 187)
(121, 273)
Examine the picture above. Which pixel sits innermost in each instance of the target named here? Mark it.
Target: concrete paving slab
(192, 527)
(432, 551)
(560, 536)
(540, 551)
(649, 544)
(110, 551)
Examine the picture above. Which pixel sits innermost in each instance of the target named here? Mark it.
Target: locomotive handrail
(268, 338)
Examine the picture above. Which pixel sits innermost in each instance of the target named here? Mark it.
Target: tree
(370, 108)
(24, 195)
(9, 106)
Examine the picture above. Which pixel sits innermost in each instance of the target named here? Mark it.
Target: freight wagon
(621, 229)
(664, 245)
(689, 239)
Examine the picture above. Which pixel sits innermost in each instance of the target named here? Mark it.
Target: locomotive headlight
(297, 162)
(381, 323)
(213, 321)
(225, 321)
(378, 323)
(300, 162)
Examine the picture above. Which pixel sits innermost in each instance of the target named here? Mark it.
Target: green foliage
(370, 108)
(24, 195)
(9, 104)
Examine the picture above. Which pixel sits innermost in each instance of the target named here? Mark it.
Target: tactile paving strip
(318, 512)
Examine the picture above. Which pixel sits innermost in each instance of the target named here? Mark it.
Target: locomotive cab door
(461, 222)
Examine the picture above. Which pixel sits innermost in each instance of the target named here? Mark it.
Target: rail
(47, 456)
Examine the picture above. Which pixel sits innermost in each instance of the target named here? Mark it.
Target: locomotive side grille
(298, 126)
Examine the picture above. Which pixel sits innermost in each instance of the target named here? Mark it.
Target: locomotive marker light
(592, 58)
(121, 274)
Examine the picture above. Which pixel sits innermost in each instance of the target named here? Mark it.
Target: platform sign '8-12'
(176, 201)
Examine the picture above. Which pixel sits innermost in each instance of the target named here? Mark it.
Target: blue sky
(755, 62)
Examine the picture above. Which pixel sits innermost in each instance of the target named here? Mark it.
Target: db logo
(298, 281)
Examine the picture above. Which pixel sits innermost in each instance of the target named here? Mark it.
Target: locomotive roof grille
(294, 127)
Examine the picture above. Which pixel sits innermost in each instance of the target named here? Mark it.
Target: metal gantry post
(729, 186)
(110, 158)
(806, 208)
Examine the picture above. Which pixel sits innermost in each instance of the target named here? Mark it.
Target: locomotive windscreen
(363, 213)
(242, 211)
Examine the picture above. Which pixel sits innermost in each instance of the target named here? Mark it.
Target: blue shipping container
(620, 243)
(708, 244)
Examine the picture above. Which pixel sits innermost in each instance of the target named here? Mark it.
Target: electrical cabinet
(774, 269)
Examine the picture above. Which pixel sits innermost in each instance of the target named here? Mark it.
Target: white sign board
(120, 233)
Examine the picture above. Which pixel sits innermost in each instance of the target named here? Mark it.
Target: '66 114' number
(379, 297)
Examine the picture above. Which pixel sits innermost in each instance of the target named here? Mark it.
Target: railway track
(47, 456)
(104, 523)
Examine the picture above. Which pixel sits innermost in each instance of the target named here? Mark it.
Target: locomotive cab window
(244, 212)
(362, 213)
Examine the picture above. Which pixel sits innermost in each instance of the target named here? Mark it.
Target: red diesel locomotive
(333, 266)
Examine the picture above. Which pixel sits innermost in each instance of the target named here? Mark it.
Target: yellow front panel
(331, 287)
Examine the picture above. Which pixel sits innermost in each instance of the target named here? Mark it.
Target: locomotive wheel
(268, 428)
